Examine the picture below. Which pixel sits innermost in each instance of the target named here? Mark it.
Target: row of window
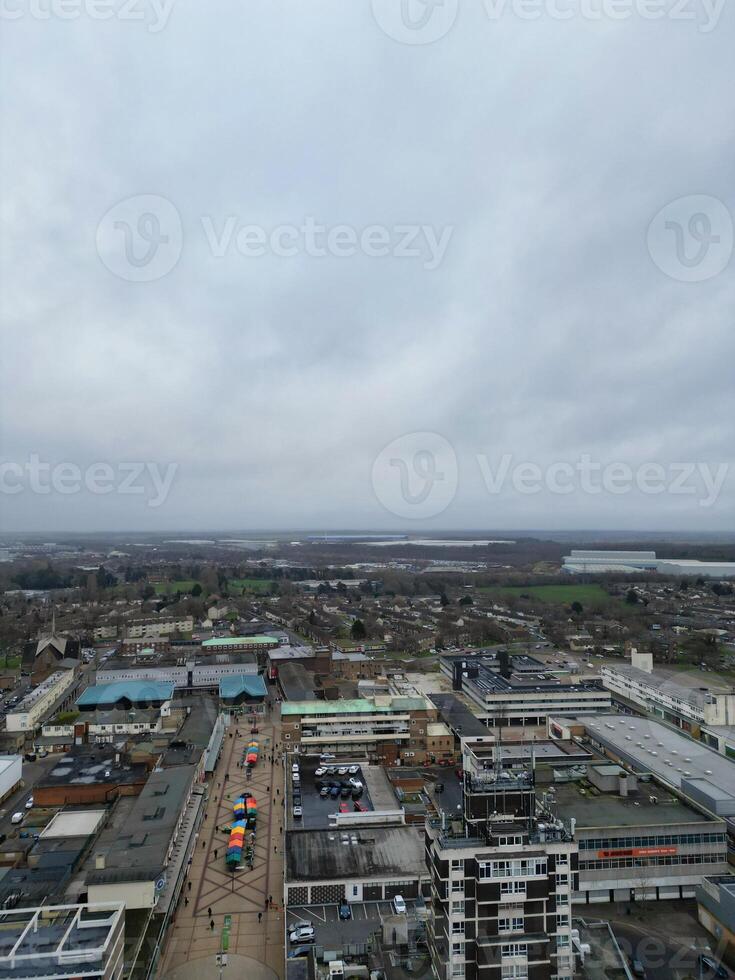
(519, 868)
(650, 862)
(608, 843)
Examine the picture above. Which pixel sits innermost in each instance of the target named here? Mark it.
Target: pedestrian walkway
(218, 899)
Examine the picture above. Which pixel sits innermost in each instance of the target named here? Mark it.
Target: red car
(343, 808)
(360, 807)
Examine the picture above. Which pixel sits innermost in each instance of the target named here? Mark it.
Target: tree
(196, 590)
(466, 600)
(443, 599)
(577, 608)
(631, 597)
(358, 631)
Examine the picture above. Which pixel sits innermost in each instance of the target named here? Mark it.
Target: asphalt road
(32, 773)
(661, 958)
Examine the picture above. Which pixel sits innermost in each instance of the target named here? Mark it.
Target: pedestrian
(275, 848)
(278, 792)
(189, 886)
(204, 844)
(211, 924)
(215, 853)
(270, 901)
(186, 901)
(209, 912)
(268, 788)
(260, 917)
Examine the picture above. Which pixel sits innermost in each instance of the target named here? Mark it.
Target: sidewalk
(255, 949)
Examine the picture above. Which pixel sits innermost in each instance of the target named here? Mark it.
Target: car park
(302, 934)
(399, 905)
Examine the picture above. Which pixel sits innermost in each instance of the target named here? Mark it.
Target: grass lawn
(260, 585)
(588, 593)
(170, 588)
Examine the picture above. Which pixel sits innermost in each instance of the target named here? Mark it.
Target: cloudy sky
(359, 263)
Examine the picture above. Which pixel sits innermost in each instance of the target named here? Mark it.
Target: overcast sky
(539, 317)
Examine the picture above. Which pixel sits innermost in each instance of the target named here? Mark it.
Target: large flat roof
(652, 747)
(73, 823)
(136, 692)
(315, 855)
(239, 641)
(609, 810)
(354, 706)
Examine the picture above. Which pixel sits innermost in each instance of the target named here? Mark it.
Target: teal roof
(137, 692)
(231, 641)
(250, 684)
(352, 706)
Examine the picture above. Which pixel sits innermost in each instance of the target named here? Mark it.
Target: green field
(553, 593)
(171, 588)
(249, 584)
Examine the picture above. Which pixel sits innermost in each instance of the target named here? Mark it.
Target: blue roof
(237, 684)
(138, 692)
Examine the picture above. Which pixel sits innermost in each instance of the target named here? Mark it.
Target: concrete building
(36, 705)
(716, 912)
(393, 730)
(63, 942)
(228, 644)
(124, 695)
(519, 690)
(502, 878)
(184, 672)
(660, 693)
(89, 775)
(105, 726)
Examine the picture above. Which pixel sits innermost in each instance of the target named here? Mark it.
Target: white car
(320, 771)
(17, 818)
(326, 756)
(353, 770)
(342, 771)
(355, 783)
(297, 811)
(399, 905)
(295, 778)
(29, 803)
(302, 934)
(295, 767)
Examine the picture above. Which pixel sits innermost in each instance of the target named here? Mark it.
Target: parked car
(399, 905)
(345, 792)
(325, 756)
(297, 811)
(324, 792)
(295, 767)
(360, 807)
(342, 771)
(343, 808)
(345, 912)
(302, 934)
(295, 778)
(29, 803)
(355, 783)
(353, 769)
(356, 793)
(17, 818)
(638, 968)
(334, 792)
(319, 771)
(713, 966)
(299, 951)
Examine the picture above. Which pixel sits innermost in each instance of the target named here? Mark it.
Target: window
(458, 887)
(562, 879)
(562, 860)
(457, 864)
(515, 972)
(458, 928)
(458, 949)
(457, 908)
(512, 888)
(511, 923)
(457, 969)
(562, 940)
(562, 920)
(514, 949)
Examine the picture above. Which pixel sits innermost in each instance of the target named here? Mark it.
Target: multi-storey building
(39, 702)
(385, 728)
(686, 706)
(164, 626)
(502, 879)
(520, 690)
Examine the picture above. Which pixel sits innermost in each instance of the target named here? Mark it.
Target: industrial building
(581, 562)
(125, 695)
(519, 690)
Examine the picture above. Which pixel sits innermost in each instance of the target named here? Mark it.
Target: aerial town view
(367, 490)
